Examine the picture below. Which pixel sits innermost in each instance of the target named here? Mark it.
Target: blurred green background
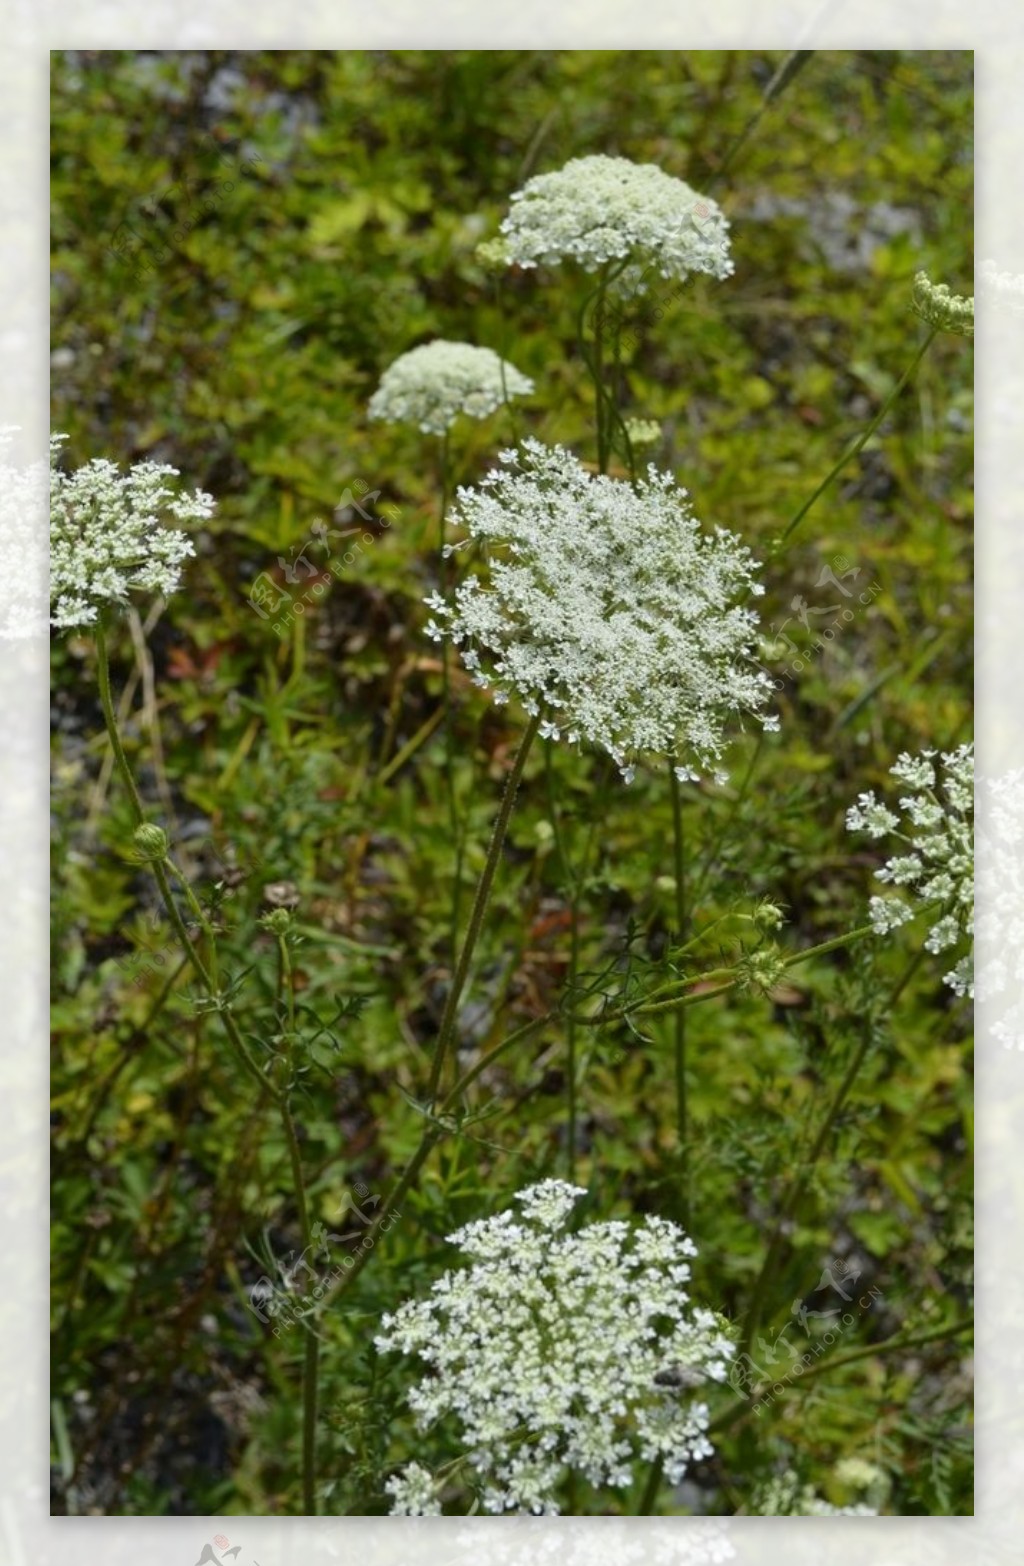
(327, 208)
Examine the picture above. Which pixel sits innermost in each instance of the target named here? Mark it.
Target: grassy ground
(311, 753)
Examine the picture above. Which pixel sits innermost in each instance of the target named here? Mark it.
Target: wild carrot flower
(598, 209)
(785, 1496)
(556, 1351)
(609, 606)
(934, 303)
(106, 539)
(938, 871)
(431, 385)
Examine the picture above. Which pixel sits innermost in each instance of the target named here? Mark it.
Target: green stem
(480, 901)
(861, 440)
(730, 816)
(110, 718)
(679, 1020)
(800, 1181)
(431, 1136)
(735, 975)
(160, 872)
(574, 958)
(731, 1415)
(311, 1356)
(207, 977)
(790, 67)
(606, 414)
(651, 1488)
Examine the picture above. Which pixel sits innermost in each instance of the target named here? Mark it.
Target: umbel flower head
(785, 1496)
(608, 605)
(556, 1351)
(599, 209)
(947, 311)
(106, 538)
(938, 870)
(431, 385)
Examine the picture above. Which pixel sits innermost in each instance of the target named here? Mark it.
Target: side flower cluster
(431, 385)
(598, 209)
(106, 535)
(785, 1496)
(557, 1351)
(610, 606)
(938, 870)
(936, 304)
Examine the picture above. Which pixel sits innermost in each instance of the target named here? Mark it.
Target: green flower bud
(763, 969)
(280, 921)
(151, 842)
(946, 311)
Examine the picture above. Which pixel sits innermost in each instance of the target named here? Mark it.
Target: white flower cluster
(413, 1492)
(106, 539)
(431, 385)
(559, 1351)
(939, 869)
(785, 1496)
(599, 209)
(23, 491)
(609, 606)
(946, 311)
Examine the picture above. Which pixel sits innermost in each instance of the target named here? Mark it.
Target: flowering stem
(605, 411)
(861, 440)
(110, 718)
(729, 1416)
(800, 1181)
(731, 976)
(480, 902)
(651, 1488)
(679, 1020)
(431, 1136)
(790, 67)
(311, 1356)
(207, 978)
(455, 824)
(730, 817)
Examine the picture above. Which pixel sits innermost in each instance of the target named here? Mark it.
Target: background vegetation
(361, 184)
